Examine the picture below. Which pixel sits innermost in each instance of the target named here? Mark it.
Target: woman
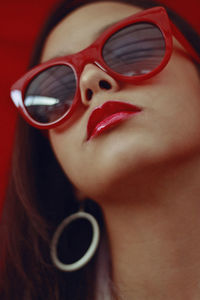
(127, 152)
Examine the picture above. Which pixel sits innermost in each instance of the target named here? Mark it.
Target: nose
(94, 80)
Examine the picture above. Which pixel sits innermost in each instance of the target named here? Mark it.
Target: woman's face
(167, 129)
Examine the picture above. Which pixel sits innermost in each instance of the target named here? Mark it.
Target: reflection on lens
(50, 94)
(135, 50)
(40, 100)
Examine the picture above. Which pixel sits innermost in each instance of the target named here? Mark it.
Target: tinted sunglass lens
(135, 50)
(50, 94)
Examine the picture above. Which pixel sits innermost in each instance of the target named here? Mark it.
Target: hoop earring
(89, 253)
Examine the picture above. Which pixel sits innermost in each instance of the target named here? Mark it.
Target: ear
(79, 195)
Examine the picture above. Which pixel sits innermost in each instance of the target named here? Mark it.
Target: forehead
(80, 28)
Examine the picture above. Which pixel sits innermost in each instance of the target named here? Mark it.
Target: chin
(119, 169)
(120, 160)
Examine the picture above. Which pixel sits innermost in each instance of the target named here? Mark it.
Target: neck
(154, 231)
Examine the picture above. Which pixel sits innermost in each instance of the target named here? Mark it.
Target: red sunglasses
(132, 50)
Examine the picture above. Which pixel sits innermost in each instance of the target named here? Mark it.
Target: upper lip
(107, 109)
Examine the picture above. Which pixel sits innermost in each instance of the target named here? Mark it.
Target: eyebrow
(106, 27)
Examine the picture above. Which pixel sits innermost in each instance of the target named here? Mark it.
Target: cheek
(77, 162)
(175, 105)
(66, 151)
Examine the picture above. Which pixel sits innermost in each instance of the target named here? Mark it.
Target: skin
(144, 172)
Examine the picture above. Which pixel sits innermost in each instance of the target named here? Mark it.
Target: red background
(20, 21)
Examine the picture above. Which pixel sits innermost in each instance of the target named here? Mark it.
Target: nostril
(104, 85)
(89, 94)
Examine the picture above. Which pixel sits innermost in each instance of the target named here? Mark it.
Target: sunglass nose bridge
(86, 56)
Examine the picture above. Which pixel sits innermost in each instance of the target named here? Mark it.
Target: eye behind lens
(50, 94)
(135, 50)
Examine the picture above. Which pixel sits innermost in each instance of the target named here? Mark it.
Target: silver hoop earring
(89, 253)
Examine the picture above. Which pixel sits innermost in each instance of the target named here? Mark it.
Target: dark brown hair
(40, 196)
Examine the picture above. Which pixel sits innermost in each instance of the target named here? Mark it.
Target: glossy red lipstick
(108, 115)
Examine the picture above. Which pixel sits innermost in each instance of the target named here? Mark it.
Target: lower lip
(111, 121)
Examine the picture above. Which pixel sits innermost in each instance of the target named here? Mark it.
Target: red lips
(107, 115)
